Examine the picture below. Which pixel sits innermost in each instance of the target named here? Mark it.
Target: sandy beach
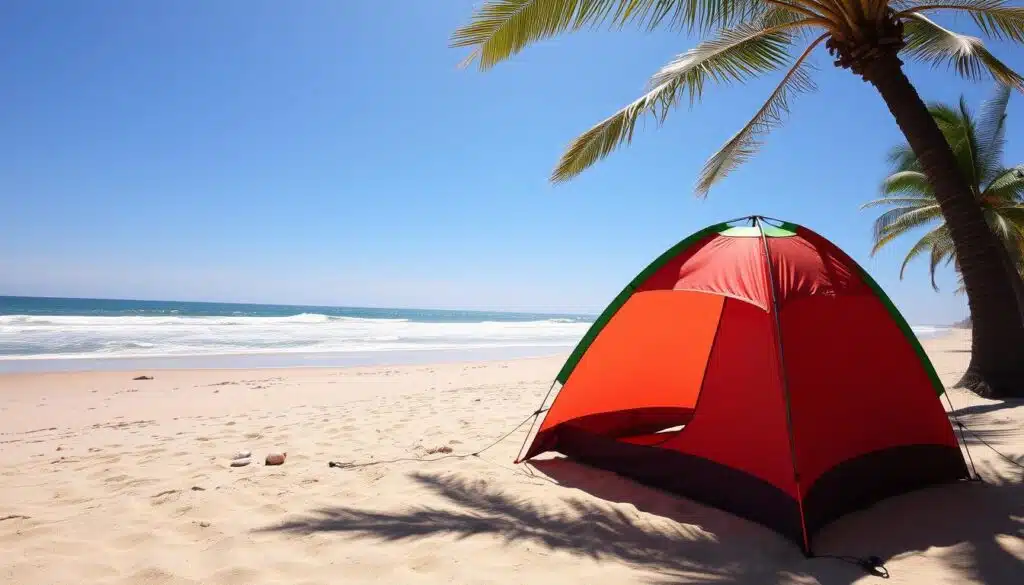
(106, 479)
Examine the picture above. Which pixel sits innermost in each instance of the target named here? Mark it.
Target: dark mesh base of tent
(851, 485)
(860, 482)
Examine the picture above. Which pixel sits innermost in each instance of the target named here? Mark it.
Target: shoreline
(272, 370)
(312, 360)
(277, 361)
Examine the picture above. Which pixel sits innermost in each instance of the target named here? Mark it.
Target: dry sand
(108, 480)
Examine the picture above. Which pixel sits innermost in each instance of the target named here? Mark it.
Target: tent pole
(731, 221)
(768, 220)
(785, 382)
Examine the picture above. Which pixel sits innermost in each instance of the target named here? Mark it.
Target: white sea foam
(48, 337)
(928, 330)
(68, 337)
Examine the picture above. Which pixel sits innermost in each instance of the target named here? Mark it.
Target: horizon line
(546, 312)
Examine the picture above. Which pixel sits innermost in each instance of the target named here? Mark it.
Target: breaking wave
(69, 336)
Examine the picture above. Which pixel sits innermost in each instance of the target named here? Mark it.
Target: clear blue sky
(328, 152)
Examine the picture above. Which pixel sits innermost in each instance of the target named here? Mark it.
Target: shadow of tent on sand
(694, 543)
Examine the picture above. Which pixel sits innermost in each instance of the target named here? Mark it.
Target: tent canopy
(759, 369)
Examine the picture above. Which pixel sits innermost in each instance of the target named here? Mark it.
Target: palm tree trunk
(997, 347)
(1011, 268)
(1018, 284)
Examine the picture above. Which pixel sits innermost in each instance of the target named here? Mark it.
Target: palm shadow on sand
(695, 543)
(1003, 404)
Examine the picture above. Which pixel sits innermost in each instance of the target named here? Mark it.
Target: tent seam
(781, 363)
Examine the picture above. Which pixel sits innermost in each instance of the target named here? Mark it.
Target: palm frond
(1010, 231)
(688, 15)
(901, 220)
(771, 14)
(906, 202)
(929, 42)
(883, 242)
(991, 132)
(908, 183)
(945, 115)
(902, 158)
(968, 148)
(993, 17)
(774, 15)
(737, 55)
(745, 143)
(923, 245)
(499, 29)
(1007, 187)
(957, 126)
(1013, 214)
(941, 243)
(1016, 245)
(1002, 225)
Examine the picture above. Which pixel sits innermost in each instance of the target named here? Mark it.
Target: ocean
(63, 334)
(46, 334)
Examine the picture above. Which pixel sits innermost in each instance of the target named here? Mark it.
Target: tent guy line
(477, 453)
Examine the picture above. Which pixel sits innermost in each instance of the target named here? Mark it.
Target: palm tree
(756, 37)
(977, 143)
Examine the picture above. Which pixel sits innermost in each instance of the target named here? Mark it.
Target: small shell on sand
(242, 455)
(275, 458)
(241, 462)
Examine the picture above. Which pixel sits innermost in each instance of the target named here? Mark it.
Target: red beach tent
(756, 368)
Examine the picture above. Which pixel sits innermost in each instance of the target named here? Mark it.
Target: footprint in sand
(237, 576)
(165, 497)
(153, 575)
(112, 479)
(14, 517)
(424, 564)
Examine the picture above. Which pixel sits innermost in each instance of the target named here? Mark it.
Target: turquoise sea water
(164, 332)
(60, 334)
(46, 306)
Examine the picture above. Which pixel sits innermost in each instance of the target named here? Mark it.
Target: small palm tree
(754, 38)
(977, 142)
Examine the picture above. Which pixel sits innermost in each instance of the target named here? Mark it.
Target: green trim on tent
(622, 297)
(746, 231)
(789, 227)
(912, 339)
